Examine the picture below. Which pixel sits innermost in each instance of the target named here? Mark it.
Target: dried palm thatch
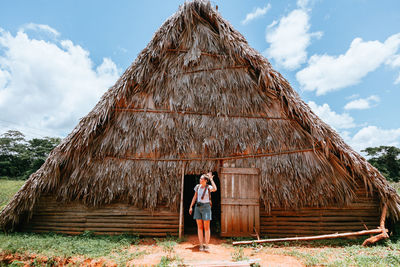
(197, 95)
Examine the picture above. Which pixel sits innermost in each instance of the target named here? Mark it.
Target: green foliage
(20, 158)
(168, 244)
(386, 159)
(238, 254)
(121, 258)
(7, 190)
(165, 262)
(16, 264)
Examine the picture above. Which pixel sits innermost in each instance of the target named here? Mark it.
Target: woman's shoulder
(197, 186)
(210, 187)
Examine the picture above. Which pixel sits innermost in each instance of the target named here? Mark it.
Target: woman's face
(203, 181)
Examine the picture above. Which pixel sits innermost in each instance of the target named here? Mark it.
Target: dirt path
(149, 253)
(189, 252)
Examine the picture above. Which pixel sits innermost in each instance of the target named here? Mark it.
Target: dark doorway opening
(190, 226)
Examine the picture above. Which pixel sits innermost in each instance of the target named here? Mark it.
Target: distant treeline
(19, 158)
(386, 159)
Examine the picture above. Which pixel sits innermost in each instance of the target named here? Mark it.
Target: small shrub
(238, 254)
(168, 247)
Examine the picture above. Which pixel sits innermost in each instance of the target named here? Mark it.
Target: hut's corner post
(181, 204)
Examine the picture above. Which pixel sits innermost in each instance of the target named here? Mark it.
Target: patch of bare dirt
(189, 252)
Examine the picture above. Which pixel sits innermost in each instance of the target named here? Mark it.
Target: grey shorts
(202, 212)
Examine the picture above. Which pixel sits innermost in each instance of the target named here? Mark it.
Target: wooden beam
(247, 171)
(242, 156)
(306, 238)
(243, 201)
(181, 204)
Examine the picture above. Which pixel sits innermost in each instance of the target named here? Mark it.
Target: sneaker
(201, 248)
(206, 248)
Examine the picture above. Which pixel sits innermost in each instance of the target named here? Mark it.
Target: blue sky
(343, 57)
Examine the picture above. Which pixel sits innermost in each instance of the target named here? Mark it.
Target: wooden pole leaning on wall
(181, 204)
(384, 231)
(381, 234)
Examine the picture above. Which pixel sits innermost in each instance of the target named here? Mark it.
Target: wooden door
(240, 201)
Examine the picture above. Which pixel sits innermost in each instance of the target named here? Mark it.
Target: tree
(39, 150)
(386, 159)
(14, 158)
(20, 158)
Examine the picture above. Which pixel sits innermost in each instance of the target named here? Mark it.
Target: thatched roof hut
(198, 95)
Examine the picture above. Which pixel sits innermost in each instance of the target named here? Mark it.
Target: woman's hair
(204, 176)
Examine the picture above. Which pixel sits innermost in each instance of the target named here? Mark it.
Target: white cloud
(335, 120)
(362, 103)
(302, 3)
(326, 73)
(395, 63)
(372, 136)
(39, 27)
(47, 85)
(290, 38)
(273, 23)
(258, 12)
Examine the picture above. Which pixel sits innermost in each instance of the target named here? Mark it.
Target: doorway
(190, 226)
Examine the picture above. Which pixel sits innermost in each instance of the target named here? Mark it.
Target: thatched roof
(196, 95)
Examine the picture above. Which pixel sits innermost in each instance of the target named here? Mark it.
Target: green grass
(396, 186)
(7, 190)
(51, 245)
(339, 252)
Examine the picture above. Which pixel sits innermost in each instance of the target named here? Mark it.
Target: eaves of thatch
(197, 95)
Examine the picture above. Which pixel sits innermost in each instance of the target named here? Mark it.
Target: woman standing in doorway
(202, 213)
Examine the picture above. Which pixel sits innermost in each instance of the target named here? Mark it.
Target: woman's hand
(190, 210)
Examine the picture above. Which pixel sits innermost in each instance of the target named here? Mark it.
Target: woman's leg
(200, 231)
(207, 231)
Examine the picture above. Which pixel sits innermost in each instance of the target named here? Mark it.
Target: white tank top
(206, 198)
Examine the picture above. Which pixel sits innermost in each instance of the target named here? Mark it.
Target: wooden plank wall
(240, 201)
(363, 213)
(75, 218)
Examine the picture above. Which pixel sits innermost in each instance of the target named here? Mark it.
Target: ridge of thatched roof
(198, 93)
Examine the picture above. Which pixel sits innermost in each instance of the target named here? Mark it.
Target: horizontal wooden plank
(240, 202)
(138, 233)
(235, 234)
(248, 171)
(102, 229)
(319, 219)
(102, 225)
(136, 230)
(316, 223)
(354, 212)
(147, 221)
(57, 219)
(88, 223)
(68, 232)
(353, 206)
(104, 214)
(135, 225)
